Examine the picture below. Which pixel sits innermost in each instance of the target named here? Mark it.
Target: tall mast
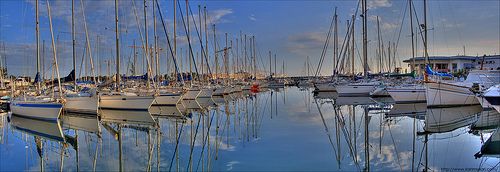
(98, 62)
(156, 43)
(189, 55)
(73, 37)
(365, 43)
(37, 50)
(412, 41)
(270, 65)
(146, 47)
(206, 38)
(117, 49)
(175, 37)
(226, 62)
(254, 57)
(216, 57)
(201, 37)
(425, 37)
(379, 49)
(335, 44)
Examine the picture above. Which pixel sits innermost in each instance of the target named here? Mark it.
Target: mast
(216, 58)
(88, 43)
(175, 39)
(425, 38)
(117, 86)
(146, 47)
(379, 49)
(254, 57)
(38, 49)
(98, 62)
(412, 41)
(270, 62)
(73, 37)
(335, 44)
(365, 43)
(156, 43)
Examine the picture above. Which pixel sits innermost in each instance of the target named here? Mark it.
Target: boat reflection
(441, 120)
(408, 109)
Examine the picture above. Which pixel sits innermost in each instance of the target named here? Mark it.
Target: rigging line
(326, 127)
(169, 45)
(189, 40)
(325, 48)
(145, 47)
(399, 34)
(201, 43)
(347, 135)
(205, 139)
(194, 140)
(395, 149)
(176, 145)
(456, 25)
(444, 30)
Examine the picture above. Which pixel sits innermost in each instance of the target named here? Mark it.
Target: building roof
(491, 57)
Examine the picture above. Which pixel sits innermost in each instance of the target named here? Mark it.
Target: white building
(452, 64)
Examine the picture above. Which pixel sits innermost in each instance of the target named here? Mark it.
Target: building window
(454, 66)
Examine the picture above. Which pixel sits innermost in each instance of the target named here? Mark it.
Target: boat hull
(327, 87)
(85, 104)
(37, 110)
(443, 94)
(354, 90)
(407, 95)
(126, 102)
(167, 99)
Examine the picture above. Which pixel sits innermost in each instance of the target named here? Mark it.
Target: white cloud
(302, 44)
(252, 18)
(7, 26)
(216, 15)
(379, 3)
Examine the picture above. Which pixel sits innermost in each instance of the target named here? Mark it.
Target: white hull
(379, 92)
(407, 95)
(441, 94)
(167, 99)
(354, 90)
(327, 87)
(125, 102)
(191, 94)
(38, 110)
(82, 104)
(206, 93)
(219, 91)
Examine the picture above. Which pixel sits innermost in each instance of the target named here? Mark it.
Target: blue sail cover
(431, 72)
(143, 77)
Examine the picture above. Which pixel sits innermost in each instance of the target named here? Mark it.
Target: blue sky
(292, 30)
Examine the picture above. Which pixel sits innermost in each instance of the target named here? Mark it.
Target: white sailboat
(119, 100)
(460, 93)
(38, 106)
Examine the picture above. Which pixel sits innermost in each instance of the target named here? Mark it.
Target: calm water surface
(282, 129)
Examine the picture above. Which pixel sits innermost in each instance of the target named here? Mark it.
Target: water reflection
(275, 129)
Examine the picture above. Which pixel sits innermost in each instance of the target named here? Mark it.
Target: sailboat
(36, 105)
(363, 88)
(80, 101)
(118, 99)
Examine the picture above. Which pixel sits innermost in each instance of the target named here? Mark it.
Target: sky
(291, 30)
